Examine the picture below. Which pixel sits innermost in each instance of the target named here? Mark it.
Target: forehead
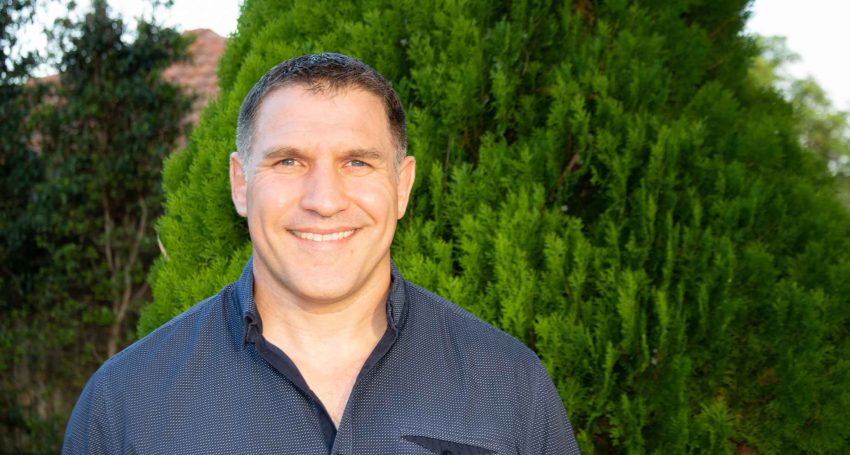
(298, 117)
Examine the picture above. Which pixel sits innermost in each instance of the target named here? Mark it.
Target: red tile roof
(198, 74)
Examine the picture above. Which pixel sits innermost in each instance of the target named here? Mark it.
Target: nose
(324, 191)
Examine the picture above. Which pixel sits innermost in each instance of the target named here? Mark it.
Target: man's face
(321, 193)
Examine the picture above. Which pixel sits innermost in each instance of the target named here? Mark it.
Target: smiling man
(321, 346)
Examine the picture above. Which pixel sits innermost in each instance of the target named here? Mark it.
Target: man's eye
(287, 162)
(357, 163)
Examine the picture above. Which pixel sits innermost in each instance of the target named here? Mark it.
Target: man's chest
(255, 409)
(286, 422)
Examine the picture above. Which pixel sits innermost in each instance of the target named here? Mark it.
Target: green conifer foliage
(603, 181)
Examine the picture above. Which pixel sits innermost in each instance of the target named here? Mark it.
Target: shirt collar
(396, 301)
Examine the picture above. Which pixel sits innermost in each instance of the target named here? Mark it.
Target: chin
(324, 295)
(327, 290)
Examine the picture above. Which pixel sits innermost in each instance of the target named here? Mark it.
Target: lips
(326, 237)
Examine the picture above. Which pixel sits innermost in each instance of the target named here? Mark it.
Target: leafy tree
(769, 68)
(104, 139)
(20, 170)
(103, 130)
(823, 129)
(20, 166)
(605, 181)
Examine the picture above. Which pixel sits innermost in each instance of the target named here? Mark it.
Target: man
(321, 346)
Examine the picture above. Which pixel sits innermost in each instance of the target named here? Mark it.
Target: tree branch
(127, 296)
(570, 167)
(107, 235)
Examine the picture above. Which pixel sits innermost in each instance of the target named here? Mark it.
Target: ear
(406, 177)
(238, 184)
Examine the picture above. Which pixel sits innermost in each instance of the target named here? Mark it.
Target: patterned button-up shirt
(439, 381)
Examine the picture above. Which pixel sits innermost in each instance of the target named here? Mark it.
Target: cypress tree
(602, 180)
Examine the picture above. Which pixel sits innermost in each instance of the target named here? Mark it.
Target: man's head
(325, 73)
(322, 179)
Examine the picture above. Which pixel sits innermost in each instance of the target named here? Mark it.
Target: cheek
(377, 199)
(266, 199)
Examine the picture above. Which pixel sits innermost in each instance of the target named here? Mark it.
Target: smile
(323, 237)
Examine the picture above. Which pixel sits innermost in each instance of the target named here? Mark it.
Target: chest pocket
(447, 445)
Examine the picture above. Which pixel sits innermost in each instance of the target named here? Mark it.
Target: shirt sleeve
(90, 429)
(549, 431)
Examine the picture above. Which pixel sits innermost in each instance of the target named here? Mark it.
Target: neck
(295, 322)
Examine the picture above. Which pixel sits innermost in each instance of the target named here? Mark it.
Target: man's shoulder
(512, 392)
(471, 334)
(203, 323)
(133, 387)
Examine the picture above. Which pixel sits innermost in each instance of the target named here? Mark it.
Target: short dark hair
(321, 73)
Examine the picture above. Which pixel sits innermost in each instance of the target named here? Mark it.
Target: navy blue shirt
(439, 381)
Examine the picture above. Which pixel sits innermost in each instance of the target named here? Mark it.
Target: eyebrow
(274, 152)
(293, 152)
(371, 154)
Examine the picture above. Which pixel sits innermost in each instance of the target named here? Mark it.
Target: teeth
(323, 237)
